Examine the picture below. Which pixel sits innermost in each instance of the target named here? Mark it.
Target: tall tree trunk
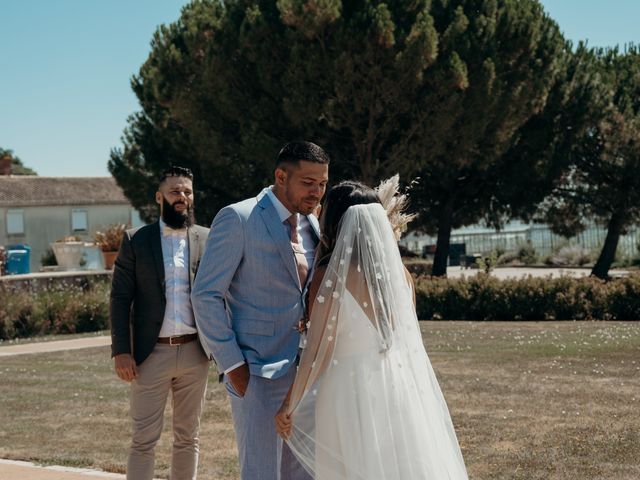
(608, 252)
(445, 222)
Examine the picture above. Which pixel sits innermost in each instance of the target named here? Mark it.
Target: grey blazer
(137, 288)
(247, 299)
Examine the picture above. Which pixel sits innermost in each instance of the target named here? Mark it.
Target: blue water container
(18, 257)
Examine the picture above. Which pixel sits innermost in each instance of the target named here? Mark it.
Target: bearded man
(154, 337)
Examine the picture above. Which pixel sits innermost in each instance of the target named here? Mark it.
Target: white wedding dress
(366, 403)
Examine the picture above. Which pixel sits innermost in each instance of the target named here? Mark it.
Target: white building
(39, 210)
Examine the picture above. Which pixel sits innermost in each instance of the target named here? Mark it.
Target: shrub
(48, 258)
(488, 262)
(62, 307)
(566, 298)
(406, 253)
(419, 268)
(527, 254)
(508, 258)
(570, 255)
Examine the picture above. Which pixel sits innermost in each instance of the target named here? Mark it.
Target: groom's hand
(239, 379)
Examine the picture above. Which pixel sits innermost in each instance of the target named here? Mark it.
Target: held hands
(239, 379)
(125, 367)
(302, 325)
(284, 423)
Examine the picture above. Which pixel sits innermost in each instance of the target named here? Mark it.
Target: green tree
(542, 149)
(602, 182)
(17, 167)
(509, 57)
(226, 86)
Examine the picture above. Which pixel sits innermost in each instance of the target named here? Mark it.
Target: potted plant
(109, 242)
(68, 252)
(48, 261)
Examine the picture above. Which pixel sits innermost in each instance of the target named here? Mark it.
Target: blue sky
(66, 65)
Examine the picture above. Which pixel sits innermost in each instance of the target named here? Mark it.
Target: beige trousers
(181, 370)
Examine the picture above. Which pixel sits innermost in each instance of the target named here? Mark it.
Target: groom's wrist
(233, 367)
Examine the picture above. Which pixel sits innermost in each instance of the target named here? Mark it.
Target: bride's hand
(284, 423)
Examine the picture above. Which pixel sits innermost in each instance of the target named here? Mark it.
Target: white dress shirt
(178, 314)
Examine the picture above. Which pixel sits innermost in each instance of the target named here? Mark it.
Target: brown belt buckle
(171, 340)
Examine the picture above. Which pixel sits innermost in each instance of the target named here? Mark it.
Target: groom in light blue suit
(248, 299)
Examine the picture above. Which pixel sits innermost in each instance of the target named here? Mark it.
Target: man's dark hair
(293, 152)
(175, 171)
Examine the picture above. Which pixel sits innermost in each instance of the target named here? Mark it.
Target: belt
(178, 339)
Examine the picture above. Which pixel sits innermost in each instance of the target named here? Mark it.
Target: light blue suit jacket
(247, 298)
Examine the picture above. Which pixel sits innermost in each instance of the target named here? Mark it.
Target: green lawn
(530, 400)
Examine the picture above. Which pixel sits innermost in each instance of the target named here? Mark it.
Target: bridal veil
(366, 403)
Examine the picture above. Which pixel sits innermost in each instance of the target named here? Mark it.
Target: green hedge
(72, 306)
(484, 297)
(61, 307)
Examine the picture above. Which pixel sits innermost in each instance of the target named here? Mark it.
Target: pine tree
(227, 85)
(602, 182)
(504, 58)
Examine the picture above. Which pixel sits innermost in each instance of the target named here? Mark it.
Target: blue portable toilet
(18, 257)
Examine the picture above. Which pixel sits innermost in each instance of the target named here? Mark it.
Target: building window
(15, 222)
(79, 221)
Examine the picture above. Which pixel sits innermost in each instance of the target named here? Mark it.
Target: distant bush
(527, 254)
(48, 258)
(487, 298)
(524, 254)
(419, 268)
(509, 258)
(62, 307)
(569, 256)
(406, 253)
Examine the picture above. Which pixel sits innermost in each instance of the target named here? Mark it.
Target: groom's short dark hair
(294, 152)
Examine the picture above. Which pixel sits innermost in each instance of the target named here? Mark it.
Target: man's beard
(176, 219)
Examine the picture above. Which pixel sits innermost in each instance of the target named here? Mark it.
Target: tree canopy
(228, 84)
(477, 97)
(17, 167)
(602, 180)
(511, 59)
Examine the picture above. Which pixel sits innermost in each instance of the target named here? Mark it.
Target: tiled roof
(20, 191)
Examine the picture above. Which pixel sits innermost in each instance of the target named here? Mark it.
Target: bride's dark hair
(342, 196)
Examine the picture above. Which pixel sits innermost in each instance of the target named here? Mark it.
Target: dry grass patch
(530, 400)
(542, 400)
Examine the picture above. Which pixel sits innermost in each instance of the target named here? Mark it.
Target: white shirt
(178, 314)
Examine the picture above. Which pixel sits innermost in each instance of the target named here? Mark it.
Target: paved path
(518, 272)
(55, 346)
(14, 470)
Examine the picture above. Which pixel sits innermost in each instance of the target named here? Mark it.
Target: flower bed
(54, 305)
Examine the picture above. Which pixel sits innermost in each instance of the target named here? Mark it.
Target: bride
(365, 403)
